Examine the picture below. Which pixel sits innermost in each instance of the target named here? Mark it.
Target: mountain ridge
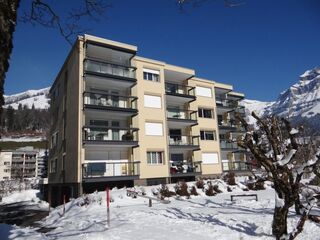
(37, 98)
(300, 102)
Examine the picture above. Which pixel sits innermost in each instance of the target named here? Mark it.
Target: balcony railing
(228, 145)
(227, 103)
(110, 169)
(110, 100)
(181, 114)
(109, 68)
(185, 167)
(98, 133)
(235, 166)
(231, 124)
(183, 140)
(177, 89)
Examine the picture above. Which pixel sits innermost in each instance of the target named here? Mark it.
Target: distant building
(22, 163)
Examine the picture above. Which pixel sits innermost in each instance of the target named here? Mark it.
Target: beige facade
(121, 119)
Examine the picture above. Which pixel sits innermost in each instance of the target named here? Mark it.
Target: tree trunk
(279, 224)
(297, 206)
(8, 20)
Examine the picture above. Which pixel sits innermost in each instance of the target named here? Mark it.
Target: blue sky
(261, 47)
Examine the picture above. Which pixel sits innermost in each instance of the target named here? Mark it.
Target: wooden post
(64, 204)
(150, 202)
(108, 206)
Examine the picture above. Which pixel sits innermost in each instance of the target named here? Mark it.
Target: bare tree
(44, 14)
(274, 144)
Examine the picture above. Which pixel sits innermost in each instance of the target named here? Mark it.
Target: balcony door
(175, 136)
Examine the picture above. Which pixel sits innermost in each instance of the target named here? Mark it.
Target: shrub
(194, 191)
(181, 189)
(200, 184)
(210, 190)
(230, 178)
(216, 188)
(165, 192)
(259, 185)
(229, 189)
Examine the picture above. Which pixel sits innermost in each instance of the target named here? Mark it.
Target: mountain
(38, 98)
(300, 102)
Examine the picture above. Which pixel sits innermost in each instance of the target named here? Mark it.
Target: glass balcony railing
(181, 114)
(110, 100)
(227, 103)
(185, 167)
(235, 166)
(110, 169)
(183, 140)
(97, 133)
(177, 89)
(109, 68)
(228, 145)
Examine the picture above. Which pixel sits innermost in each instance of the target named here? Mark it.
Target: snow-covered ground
(22, 139)
(26, 195)
(200, 217)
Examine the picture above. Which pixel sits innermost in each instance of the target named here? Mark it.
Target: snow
(294, 131)
(26, 195)
(38, 98)
(287, 158)
(199, 217)
(22, 139)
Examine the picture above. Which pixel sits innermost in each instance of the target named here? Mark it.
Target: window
(53, 165)
(203, 91)
(208, 135)
(206, 113)
(155, 157)
(153, 129)
(151, 75)
(210, 158)
(54, 139)
(152, 101)
(6, 163)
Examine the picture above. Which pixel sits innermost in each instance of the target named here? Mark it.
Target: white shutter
(210, 158)
(152, 101)
(203, 91)
(151, 71)
(153, 129)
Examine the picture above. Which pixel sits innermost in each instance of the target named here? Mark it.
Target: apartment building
(17, 164)
(119, 119)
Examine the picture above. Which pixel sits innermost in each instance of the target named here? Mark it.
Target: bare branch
(43, 14)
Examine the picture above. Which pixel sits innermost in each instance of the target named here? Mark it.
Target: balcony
(185, 168)
(184, 142)
(110, 171)
(105, 69)
(185, 117)
(228, 145)
(225, 105)
(112, 136)
(179, 93)
(235, 166)
(110, 102)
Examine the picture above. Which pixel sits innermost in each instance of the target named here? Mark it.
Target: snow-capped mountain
(38, 98)
(300, 102)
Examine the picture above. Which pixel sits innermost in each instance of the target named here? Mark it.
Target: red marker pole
(108, 206)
